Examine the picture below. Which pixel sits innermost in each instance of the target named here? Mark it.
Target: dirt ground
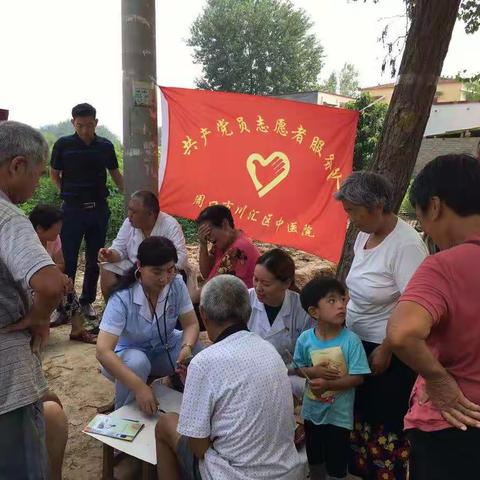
(73, 374)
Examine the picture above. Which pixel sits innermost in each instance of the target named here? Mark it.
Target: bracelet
(187, 345)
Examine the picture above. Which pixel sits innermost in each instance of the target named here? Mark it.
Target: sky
(57, 53)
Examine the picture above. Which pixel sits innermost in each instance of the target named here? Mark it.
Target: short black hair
(149, 200)
(156, 251)
(454, 178)
(216, 214)
(45, 216)
(319, 288)
(84, 110)
(152, 252)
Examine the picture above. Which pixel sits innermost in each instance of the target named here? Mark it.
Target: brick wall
(433, 147)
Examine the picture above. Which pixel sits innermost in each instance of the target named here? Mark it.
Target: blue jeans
(91, 225)
(23, 452)
(153, 362)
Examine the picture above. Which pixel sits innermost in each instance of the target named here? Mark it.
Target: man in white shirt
(236, 420)
(144, 220)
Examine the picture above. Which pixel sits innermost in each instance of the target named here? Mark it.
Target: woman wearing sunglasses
(137, 336)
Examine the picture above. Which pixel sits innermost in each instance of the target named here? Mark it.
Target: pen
(295, 364)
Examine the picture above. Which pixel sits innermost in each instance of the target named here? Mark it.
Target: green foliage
(348, 80)
(370, 125)
(50, 138)
(330, 85)
(55, 131)
(255, 46)
(116, 201)
(189, 228)
(116, 204)
(472, 91)
(406, 208)
(470, 14)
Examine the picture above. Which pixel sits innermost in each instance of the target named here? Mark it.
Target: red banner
(275, 163)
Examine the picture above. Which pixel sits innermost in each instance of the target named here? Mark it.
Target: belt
(86, 205)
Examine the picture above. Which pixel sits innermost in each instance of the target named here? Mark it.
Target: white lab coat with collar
(291, 321)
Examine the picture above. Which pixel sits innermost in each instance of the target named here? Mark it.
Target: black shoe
(177, 383)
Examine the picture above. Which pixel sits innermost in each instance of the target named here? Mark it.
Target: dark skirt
(379, 449)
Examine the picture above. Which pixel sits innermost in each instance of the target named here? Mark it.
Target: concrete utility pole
(139, 62)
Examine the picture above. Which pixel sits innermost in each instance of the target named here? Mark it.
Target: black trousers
(328, 444)
(89, 224)
(383, 399)
(449, 454)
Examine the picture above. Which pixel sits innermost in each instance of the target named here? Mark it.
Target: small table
(143, 447)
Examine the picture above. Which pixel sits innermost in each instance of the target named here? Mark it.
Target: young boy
(333, 360)
(47, 222)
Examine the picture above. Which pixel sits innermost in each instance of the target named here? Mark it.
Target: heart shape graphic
(279, 170)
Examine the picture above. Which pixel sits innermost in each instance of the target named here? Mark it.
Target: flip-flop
(84, 337)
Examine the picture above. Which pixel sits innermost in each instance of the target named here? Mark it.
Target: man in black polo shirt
(79, 170)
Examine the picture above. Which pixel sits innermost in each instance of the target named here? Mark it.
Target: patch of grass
(189, 228)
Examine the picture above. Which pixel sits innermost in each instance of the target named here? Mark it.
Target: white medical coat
(291, 321)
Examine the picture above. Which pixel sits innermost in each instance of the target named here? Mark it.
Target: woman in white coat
(277, 315)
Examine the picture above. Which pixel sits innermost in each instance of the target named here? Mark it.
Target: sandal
(299, 439)
(84, 337)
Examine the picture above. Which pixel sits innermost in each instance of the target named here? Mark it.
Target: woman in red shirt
(231, 251)
(435, 328)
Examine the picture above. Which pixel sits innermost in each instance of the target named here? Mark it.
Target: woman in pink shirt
(435, 329)
(231, 252)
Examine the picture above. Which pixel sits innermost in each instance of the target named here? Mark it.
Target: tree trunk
(140, 131)
(422, 61)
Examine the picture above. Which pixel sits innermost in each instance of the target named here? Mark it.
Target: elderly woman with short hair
(387, 253)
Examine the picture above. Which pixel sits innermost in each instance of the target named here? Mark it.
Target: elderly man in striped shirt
(25, 266)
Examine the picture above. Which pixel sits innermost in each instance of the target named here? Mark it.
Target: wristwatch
(187, 345)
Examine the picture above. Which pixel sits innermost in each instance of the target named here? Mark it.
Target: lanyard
(155, 317)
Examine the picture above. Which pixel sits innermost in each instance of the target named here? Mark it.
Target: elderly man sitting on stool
(236, 419)
(144, 220)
